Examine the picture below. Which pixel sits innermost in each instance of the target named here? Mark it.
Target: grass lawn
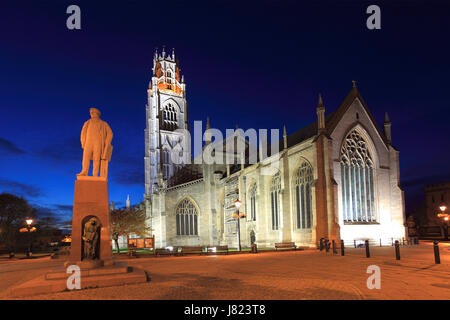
(22, 255)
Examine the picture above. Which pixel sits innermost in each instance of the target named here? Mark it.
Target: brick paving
(293, 275)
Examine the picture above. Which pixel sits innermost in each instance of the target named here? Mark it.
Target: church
(337, 178)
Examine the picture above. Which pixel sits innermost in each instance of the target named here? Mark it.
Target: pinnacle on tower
(386, 118)
(320, 115)
(387, 127)
(208, 138)
(320, 104)
(354, 83)
(284, 137)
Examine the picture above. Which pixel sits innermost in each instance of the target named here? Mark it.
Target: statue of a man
(90, 239)
(96, 137)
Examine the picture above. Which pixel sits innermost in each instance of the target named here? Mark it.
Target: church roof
(193, 172)
(305, 133)
(331, 121)
(188, 173)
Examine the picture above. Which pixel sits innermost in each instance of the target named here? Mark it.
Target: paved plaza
(291, 275)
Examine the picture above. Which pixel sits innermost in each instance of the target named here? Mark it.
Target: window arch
(253, 202)
(170, 117)
(186, 218)
(303, 181)
(275, 200)
(357, 175)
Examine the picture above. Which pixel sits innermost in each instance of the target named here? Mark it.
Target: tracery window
(186, 218)
(303, 180)
(170, 117)
(357, 176)
(253, 202)
(275, 200)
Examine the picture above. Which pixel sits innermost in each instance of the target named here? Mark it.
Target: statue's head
(95, 113)
(93, 221)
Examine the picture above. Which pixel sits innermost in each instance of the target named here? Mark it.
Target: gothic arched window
(275, 200)
(253, 202)
(303, 180)
(357, 176)
(186, 218)
(170, 117)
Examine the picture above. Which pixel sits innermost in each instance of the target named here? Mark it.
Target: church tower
(167, 139)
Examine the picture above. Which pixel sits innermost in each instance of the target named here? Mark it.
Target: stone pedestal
(90, 200)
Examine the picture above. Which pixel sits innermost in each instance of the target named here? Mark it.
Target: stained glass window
(357, 176)
(275, 200)
(303, 180)
(186, 218)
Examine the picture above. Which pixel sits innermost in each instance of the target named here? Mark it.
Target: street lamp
(445, 218)
(238, 216)
(29, 229)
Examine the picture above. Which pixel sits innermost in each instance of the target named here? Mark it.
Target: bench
(166, 252)
(191, 250)
(217, 249)
(285, 245)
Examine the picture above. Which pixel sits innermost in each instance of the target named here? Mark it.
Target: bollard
(367, 249)
(354, 243)
(342, 248)
(334, 247)
(380, 242)
(397, 250)
(437, 258)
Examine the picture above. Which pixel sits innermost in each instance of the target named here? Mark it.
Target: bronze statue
(96, 137)
(90, 239)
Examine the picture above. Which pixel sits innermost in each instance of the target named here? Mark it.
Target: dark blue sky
(257, 64)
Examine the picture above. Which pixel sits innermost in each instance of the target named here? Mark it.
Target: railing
(381, 242)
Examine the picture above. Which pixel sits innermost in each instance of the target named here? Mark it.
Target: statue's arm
(109, 136)
(83, 134)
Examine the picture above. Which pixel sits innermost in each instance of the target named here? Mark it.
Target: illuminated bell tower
(167, 140)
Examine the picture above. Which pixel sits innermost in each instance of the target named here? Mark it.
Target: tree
(128, 221)
(13, 212)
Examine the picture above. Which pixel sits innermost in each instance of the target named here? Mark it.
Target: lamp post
(29, 222)
(238, 216)
(445, 218)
